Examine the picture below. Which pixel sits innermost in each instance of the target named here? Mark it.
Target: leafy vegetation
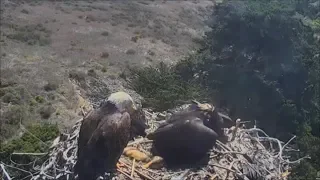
(31, 34)
(163, 88)
(18, 105)
(259, 62)
(36, 139)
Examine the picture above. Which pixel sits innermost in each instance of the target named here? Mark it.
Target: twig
(230, 166)
(132, 169)
(140, 173)
(30, 154)
(16, 169)
(128, 176)
(223, 146)
(18, 164)
(298, 160)
(181, 176)
(229, 152)
(222, 167)
(234, 152)
(214, 177)
(5, 172)
(139, 141)
(149, 170)
(289, 141)
(83, 113)
(29, 175)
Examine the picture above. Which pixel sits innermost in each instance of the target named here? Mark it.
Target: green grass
(37, 138)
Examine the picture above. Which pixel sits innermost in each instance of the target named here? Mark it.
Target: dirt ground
(90, 43)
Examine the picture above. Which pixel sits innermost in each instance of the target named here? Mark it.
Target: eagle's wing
(189, 114)
(183, 125)
(110, 125)
(177, 116)
(87, 127)
(164, 128)
(110, 138)
(198, 125)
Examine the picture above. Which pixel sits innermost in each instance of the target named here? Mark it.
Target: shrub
(104, 69)
(11, 97)
(40, 99)
(151, 53)
(2, 92)
(92, 72)
(15, 114)
(51, 86)
(316, 24)
(36, 140)
(163, 88)
(31, 34)
(51, 96)
(14, 94)
(77, 75)
(32, 102)
(25, 11)
(123, 75)
(134, 38)
(104, 55)
(130, 51)
(46, 111)
(105, 33)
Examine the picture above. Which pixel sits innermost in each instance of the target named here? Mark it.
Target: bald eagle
(104, 133)
(186, 137)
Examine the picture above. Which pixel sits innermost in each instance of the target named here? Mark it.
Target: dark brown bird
(104, 134)
(138, 123)
(186, 137)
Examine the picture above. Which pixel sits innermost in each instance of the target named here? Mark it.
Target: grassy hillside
(59, 56)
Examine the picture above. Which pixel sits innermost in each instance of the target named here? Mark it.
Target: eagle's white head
(123, 101)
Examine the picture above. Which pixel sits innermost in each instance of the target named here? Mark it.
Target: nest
(249, 153)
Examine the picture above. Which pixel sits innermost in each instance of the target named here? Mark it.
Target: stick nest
(249, 153)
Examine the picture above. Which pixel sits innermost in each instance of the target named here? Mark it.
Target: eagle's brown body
(183, 142)
(186, 137)
(103, 135)
(100, 152)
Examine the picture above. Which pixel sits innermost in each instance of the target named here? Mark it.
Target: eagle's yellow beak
(134, 107)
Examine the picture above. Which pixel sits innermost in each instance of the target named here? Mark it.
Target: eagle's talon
(156, 163)
(119, 165)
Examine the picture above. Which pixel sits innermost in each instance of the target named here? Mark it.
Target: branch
(140, 173)
(5, 172)
(231, 165)
(30, 154)
(17, 169)
(222, 167)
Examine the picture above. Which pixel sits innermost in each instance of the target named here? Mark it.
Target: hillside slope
(48, 47)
